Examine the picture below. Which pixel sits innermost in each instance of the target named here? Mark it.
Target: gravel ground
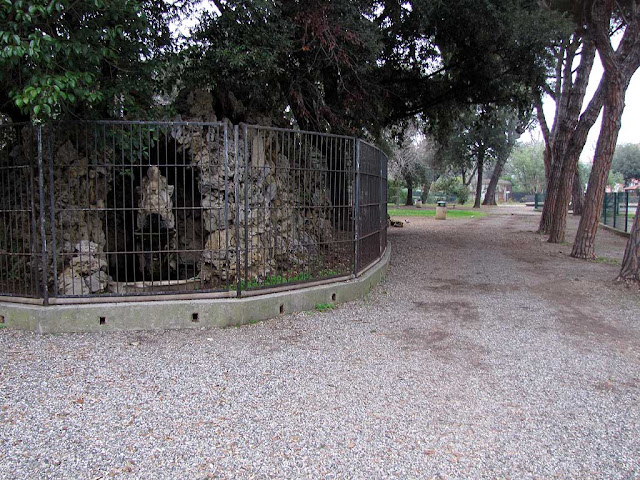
(487, 353)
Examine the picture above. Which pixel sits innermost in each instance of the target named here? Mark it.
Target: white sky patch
(188, 20)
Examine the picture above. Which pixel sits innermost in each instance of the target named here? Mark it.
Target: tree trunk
(409, 194)
(577, 194)
(564, 151)
(630, 270)
(476, 204)
(553, 184)
(425, 191)
(490, 196)
(546, 135)
(583, 246)
(558, 220)
(619, 67)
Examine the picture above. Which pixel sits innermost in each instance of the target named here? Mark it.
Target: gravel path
(487, 353)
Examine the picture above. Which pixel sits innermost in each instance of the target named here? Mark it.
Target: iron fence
(619, 208)
(98, 209)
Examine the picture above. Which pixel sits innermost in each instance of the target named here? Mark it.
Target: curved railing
(92, 210)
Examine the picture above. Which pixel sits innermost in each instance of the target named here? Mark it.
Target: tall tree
(479, 138)
(514, 127)
(577, 194)
(619, 66)
(414, 161)
(525, 167)
(440, 57)
(563, 138)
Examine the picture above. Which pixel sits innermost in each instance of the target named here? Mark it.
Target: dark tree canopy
(442, 56)
(340, 65)
(261, 58)
(361, 65)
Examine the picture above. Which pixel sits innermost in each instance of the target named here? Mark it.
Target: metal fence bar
(246, 204)
(226, 199)
(52, 216)
(356, 263)
(626, 211)
(236, 194)
(43, 235)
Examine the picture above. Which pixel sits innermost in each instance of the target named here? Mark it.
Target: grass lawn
(422, 212)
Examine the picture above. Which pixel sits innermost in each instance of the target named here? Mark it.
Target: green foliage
(446, 185)
(451, 213)
(626, 160)
(64, 56)
(324, 307)
(451, 186)
(615, 178)
(280, 279)
(275, 280)
(394, 190)
(525, 168)
(441, 57)
(609, 261)
(462, 194)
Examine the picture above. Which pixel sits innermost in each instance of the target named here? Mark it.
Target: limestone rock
(71, 282)
(97, 281)
(155, 198)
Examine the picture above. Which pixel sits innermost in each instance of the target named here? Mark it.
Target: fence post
(626, 211)
(52, 206)
(615, 208)
(43, 232)
(225, 140)
(245, 143)
(604, 206)
(535, 201)
(236, 194)
(380, 215)
(356, 190)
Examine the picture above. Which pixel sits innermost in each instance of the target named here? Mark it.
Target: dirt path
(487, 353)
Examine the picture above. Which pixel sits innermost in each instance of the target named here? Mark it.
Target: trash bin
(441, 210)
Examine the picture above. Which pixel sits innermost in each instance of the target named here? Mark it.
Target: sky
(630, 130)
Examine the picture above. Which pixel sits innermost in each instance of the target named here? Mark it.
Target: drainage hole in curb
(333, 297)
(282, 309)
(103, 320)
(1, 318)
(195, 317)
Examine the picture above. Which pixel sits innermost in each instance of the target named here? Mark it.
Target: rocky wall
(284, 211)
(81, 183)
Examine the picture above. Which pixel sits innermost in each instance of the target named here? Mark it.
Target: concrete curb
(174, 314)
(615, 230)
